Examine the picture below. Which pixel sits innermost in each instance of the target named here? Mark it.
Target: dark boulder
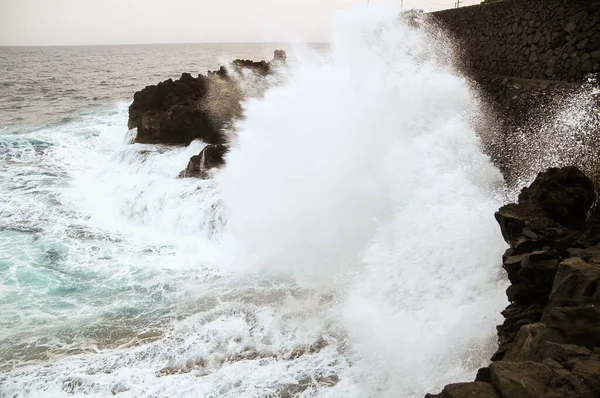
(476, 389)
(280, 56)
(181, 111)
(212, 156)
(172, 112)
(204, 107)
(529, 379)
(239, 66)
(558, 200)
(564, 194)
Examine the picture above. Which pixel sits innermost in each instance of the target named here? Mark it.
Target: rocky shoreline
(549, 343)
(200, 108)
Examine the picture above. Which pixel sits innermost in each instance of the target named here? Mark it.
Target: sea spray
(347, 249)
(363, 174)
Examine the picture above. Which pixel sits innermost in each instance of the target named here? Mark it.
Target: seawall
(528, 59)
(555, 40)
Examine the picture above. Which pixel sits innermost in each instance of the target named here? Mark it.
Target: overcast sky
(67, 22)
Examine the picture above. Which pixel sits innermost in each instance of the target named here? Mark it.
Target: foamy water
(347, 249)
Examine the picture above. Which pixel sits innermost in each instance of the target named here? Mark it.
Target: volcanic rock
(472, 390)
(549, 343)
(203, 107)
(172, 112)
(212, 156)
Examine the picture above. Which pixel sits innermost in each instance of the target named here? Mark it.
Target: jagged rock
(558, 198)
(587, 253)
(516, 315)
(525, 344)
(213, 155)
(560, 352)
(238, 66)
(588, 370)
(579, 325)
(549, 343)
(530, 379)
(477, 389)
(172, 112)
(564, 194)
(542, 260)
(279, 56)
(575, 281)
(181, 111)
(574, 304)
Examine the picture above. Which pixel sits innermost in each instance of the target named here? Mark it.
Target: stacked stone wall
(533, 39)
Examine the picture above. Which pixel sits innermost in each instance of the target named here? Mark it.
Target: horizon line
(155, 44)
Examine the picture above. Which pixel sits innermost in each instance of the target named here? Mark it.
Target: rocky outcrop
(199, 166)
(172, 112)
(203, 107)
(549, 343)
(190, 108)
(262, 68)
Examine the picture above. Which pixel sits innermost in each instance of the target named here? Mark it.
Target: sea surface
(56, 84)
(348, 248)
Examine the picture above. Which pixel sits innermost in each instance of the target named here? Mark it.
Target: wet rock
(177, 112)
(525, 344)
(588, 370)
(561, 352)
(279, 56)
(296, 390)
(541, 260)
(172, 112)
(557, 198)
(576, 281)
(118, 388)
(564, 194)
(536, 380)
(199, 166)
(477, 389)
(579, 324)
(549, 343)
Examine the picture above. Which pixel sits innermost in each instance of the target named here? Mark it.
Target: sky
(82, 22)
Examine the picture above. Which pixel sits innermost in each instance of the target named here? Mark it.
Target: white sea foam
(350, 235)
(363, 175)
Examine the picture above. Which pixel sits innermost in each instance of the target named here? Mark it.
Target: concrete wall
(536, 39)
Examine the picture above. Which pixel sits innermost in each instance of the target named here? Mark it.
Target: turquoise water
(347, 249)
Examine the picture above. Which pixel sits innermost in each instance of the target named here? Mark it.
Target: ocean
(348, 248)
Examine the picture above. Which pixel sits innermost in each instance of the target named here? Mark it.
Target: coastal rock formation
(181, 111)
(212, 156)
(549, 343)
(262, 68)
(173, 112)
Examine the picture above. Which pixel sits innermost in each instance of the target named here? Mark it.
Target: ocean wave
(322, 260)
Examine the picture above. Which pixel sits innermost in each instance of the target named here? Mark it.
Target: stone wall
(518, 117)
(528, 59)
(536, 39)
